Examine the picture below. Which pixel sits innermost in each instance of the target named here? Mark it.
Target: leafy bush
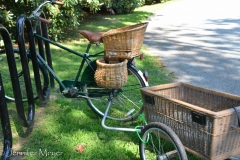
(149, 2)
(125, 6)
(8, 12)
(6, 17)
(70, 15)
(67, 16)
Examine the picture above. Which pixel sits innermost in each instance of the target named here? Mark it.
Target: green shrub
(70, 15)
(125, 6)
(8, 14)
(149, 2)
(67, 16)
(6, 17)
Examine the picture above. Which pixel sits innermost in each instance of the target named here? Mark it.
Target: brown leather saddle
(92, 36)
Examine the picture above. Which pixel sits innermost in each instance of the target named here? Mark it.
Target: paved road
(199, 40)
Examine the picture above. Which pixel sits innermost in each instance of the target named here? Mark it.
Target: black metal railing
(25, 119)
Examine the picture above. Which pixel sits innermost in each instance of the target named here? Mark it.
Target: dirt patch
(23, 136)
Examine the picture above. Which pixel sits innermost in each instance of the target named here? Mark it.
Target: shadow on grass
(23, 132)
(70, 123)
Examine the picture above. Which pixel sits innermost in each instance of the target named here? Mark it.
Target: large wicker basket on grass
(124, 42)
(112, 75)
(203, 119)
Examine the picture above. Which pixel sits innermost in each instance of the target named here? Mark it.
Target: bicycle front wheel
(7, 79)
(160, 142)
(126, 104)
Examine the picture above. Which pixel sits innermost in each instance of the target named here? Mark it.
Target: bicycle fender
(139, 72)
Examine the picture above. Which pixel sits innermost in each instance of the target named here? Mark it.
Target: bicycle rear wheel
(4, 69)
(158, 141)
(126, 104)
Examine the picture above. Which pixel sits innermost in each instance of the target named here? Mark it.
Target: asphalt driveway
(199, 40)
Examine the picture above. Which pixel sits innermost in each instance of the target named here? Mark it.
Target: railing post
(39, 41)
(5, 123)
(21, 23)
(15, 81)
(6, 128)
(47, 50)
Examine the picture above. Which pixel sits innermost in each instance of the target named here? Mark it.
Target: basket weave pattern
(213, 135)
(112, 76)
(124, 42)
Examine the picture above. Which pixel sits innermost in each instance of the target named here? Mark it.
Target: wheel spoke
(163, 143)
(125, 100)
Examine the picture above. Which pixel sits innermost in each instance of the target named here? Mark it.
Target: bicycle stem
(35, 14)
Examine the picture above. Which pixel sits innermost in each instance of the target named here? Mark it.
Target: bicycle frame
(85, 58)
(65, 85)
(69, 88)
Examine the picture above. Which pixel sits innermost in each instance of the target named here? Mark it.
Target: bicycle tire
(127, 99)
(7, 79)
(159, 141)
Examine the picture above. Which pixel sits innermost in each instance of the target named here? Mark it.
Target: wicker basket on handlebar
(112, 75)
(124, 42)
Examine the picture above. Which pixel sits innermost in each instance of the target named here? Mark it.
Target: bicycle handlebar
(44, 20)
(36, 13)
(57, 2)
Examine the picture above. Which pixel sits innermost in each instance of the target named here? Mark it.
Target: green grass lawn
(67, 128)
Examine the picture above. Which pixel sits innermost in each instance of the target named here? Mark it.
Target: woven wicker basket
(203, 119)
(124, 42)
(112, 75)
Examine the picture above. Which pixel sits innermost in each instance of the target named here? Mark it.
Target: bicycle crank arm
(81, 96)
